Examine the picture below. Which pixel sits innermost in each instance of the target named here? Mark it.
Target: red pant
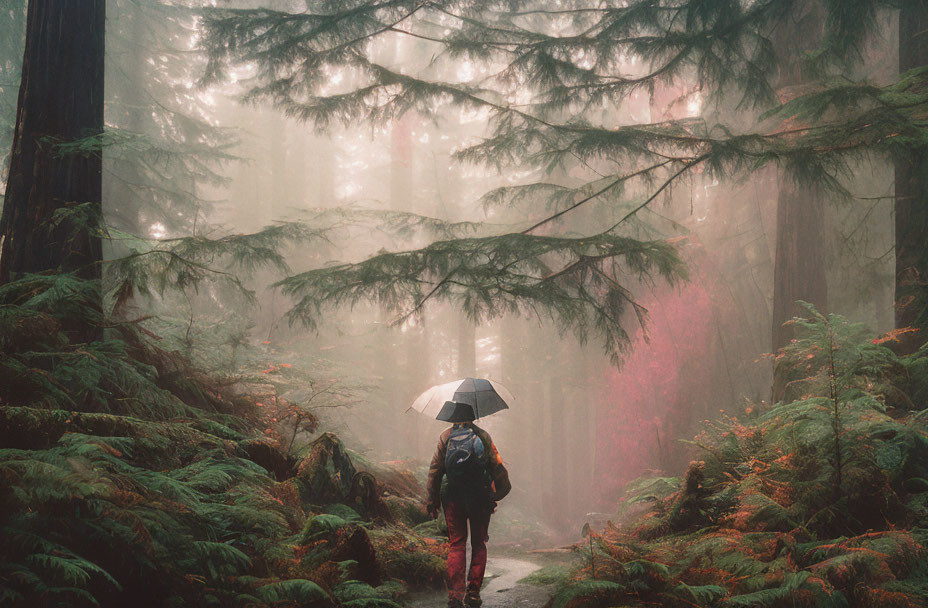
(457, 516)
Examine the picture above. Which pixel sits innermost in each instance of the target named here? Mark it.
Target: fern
(357, 594)
(371, 602)
(320, 525)
(765, 494)
(548, 575)
(301, 591)
(221, 559)
(701, 595)
(153, 515)
(757, 599)
(594, 592)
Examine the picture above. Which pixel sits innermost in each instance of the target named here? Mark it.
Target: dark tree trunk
(799, 262)
(60, 101)
(799, 269)
(911, 206)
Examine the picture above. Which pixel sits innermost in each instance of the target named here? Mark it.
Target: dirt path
(501, 588)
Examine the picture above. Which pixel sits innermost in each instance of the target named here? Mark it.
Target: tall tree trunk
(128, 109)
(911, 207)
(12, 41)
(534, 405)
(799, 269)
(60, 101)
(467, 346)
(558, 426)
(799, 262)
(414, 337)
(276, 194)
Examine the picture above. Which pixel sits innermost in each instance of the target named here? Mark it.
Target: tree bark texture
(799, 260)
(60, 101)
(911, 207)
(799, 269)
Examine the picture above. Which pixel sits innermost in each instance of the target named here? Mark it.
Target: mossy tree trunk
(60, 101)
(911, 207)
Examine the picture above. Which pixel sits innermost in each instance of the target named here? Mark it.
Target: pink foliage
(663, 387)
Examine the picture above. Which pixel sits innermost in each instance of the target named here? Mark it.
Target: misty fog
(580, 427)
(258, 256)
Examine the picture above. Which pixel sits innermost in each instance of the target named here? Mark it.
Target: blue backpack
(466, 460)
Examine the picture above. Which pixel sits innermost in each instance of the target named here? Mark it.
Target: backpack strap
(487, 444)
(495, 466)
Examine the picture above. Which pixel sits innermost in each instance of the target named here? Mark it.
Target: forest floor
(502, 587)
(119, 470)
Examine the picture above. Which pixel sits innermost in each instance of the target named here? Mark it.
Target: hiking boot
(472, 599)
(455, 603)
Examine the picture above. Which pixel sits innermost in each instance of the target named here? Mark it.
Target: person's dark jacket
(498, 472)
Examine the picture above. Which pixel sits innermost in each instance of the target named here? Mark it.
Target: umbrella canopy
(456, 412)
(482, 397)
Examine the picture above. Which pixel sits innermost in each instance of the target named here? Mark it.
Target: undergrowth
(127, 477)
(819, 501)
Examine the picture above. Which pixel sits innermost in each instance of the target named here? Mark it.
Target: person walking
(476, 481)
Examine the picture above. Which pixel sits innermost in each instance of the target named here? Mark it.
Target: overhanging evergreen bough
(551, 85)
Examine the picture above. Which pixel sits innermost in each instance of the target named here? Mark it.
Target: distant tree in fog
(12, 36)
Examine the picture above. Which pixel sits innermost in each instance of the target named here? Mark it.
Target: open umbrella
(463, 400)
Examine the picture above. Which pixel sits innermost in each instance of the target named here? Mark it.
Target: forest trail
(501, 587)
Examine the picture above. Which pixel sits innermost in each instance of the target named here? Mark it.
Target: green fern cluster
(817, 501)
(129, 477)
(93, 516)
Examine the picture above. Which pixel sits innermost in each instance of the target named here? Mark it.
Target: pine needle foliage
(578, 282)
(124, 373)
(162, 145)
(291, 49)
(152, 267)
(534, 45)
(394, 223)
(568, 70)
